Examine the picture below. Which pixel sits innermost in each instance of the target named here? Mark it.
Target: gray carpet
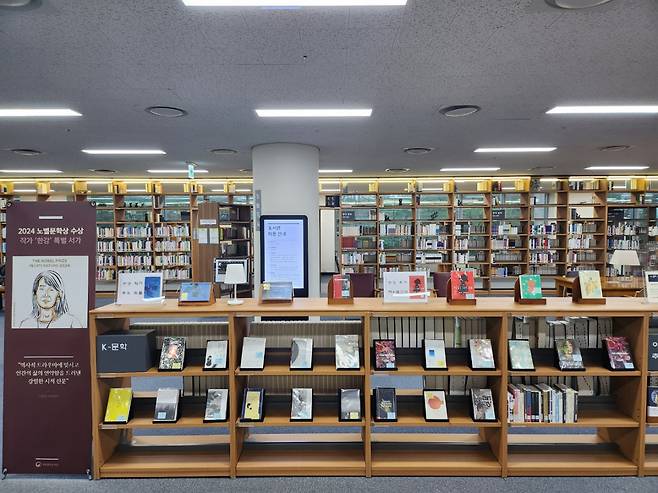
(25, 484)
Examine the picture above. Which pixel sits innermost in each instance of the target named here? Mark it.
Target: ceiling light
(136, 190)
(515, 149)
(330, 190)
(432, 189)
(313, 113)
(223, 151)
(576, 4)
(470, 169)
(397, 170)
(14, 3)
(335, 171)
(292, 3)
(166, 111)
(459, 110)
(617, 167)
(604, 110)
(103, 171)
(549, 180)
(417, 151)
(615, 148)
(34, 112)
(24, 190)
(26, 152)
(178, 171)
(98, 182)
(508, 188)
(243, 190)
(245, 170)
(29, 171)
(123, 152)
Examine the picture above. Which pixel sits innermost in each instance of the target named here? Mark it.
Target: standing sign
(405, 287)
(51, 258)
(284, 251)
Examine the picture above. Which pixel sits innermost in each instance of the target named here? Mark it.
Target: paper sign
(400, 287)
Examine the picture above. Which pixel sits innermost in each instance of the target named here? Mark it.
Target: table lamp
(235, 275)
(621, 258)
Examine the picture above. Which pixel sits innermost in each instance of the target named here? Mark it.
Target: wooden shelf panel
(154, 462)
(410, 368)
(562, 460)
(591, 416)
(590, 371)
(651, 460)
(411, 414)
(190, 416)
(188, 371)
(278, 414)
(283, 369)
(433, 460)
(302, 460)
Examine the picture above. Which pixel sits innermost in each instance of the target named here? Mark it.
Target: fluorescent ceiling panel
(470, 169)
(36, 112)
(335, 171)
(30, 171)
(293, 3)
(515, 149)
(617, 167)
(604, 110)
(314, 113)
(175, 171)
(123, 152)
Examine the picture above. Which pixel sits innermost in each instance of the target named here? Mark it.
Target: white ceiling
(515, 58)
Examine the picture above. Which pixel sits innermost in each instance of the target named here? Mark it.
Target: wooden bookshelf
(459, 446)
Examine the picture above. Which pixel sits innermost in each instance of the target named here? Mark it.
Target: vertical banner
(50, 288)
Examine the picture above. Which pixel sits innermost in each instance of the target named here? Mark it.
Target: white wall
(287, 177)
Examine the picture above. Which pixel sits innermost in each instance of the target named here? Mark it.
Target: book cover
(520, 356)
(568, 354)
(350, 404)
(252, 405)
(301, 407)
(172, 356)
(118, 405)
(385, 404)
(619, 353)
(301, 353)
(435, 354)
(590, 284)
(216, 405)
(341, 286)
(277, 291)
(653, 353)
(152, 287)
(417, 284)
(384, 354)
(216, 352)
(253, 353)
(652, 404)
(482, 357)
(195, 292)
(436, 408)
(462, 285)
(347, 352)
(482, 405)
(530, 286)
(166, 405)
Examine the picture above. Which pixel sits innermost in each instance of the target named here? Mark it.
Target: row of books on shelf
(104, 260)
(130, 231)
(544, 243)
(466, 243)
(254, 408)
(431, 229)
(169, 230)
(135, 260)
(546, 257)
(134, 246)
(580, 228)
(541, 403)
(498, 229)
(429, 243)
(507, 271)
(623, 244)
(464, 258)
(432, 258)
(173, 246)
(505, 243)
(105, 274)
(506, 257)
(544, 229)
(543, 270)
(586, 241)
(582, 257)
(104, 232)
(105, 246)
(467, 228)
(395, 229)
(626, 229)
(177, 259)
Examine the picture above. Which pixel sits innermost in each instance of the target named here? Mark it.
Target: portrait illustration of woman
(50, 310)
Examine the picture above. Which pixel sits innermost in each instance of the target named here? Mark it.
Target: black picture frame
(470, 357)
(432, 420)
(351, 368)
(172, 370)
(472, 409)
(374, 355)
(557, 360)
(228, 407)
(310, 368)
(609, 361)
(509, 357)
(262, 367)
(429, 368)
(304, 420)
(261, 399)
(377, 396)
(298, 292)
(205, 355)
(340, 407)
(131, 410)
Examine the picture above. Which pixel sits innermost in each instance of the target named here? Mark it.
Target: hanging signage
(50, 285)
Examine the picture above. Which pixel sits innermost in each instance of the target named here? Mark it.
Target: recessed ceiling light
(292, 3)
(549, 180)
(26, 152)
(604, 110)
(397, 170)
(223, 151)
(314, 113)
(615, 148)
(176, 171)
(617, 167)
(123, 152)
(515, 149)
(103, 171)
(418, 151)
(30, 171)
(459, 110)
(166, 111)
(25, 190)
(36, 112)
(576, 4)
(335, 171)
(471, 169)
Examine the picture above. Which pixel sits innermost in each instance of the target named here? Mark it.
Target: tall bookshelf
(612, 437)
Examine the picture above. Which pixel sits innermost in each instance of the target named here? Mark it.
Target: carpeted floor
(25, 484)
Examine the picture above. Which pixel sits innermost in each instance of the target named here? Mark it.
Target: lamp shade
(625, 257)
(235, 274)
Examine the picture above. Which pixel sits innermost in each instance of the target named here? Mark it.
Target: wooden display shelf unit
(367, 448)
